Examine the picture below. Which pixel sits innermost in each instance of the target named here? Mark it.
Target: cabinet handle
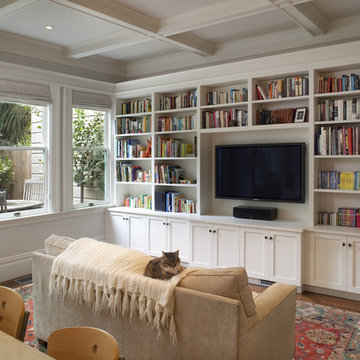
(124, 218)
(266, 237)
(164, 223)
(167, 224)
(214, 231)
(270, 237)
(350, 245)
(343, 244)
(209, 230)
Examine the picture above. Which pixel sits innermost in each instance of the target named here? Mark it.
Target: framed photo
(300, 115)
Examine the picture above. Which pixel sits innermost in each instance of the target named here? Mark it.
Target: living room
(117, 60)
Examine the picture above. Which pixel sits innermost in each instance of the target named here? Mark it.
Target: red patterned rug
(321, 332)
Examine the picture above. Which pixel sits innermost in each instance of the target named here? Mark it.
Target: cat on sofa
(164, 267)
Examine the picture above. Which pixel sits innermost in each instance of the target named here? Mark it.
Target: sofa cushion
(56, 244)
(227, 282)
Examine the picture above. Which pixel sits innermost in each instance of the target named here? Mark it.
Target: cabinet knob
(209, 230)
(214, 231)
(349, 244)
(167, 224)
(266, 237)
(343, 244)
(164, 223)
(270, 237)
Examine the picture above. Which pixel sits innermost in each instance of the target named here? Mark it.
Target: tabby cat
(164, 267)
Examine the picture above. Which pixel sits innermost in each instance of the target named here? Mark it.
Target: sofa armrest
(271, 331)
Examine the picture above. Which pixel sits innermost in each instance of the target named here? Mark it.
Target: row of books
(128, 172)
(138, 201)
(343, 180)
(136, 106)
(332, 110)
(169, 174)
(176, 123)
(341, 217)
(225, 118)
(282, 88)
(183, 100)
(170, 201)
(171, 147)
(346, 82)
(217, 97)
(129, 148)
(278, 116)
(337, 140)
(130, 125)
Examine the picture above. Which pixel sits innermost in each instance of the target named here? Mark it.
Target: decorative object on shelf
(147, 152)
(300, 115)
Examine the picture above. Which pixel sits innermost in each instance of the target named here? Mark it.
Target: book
(261, 92)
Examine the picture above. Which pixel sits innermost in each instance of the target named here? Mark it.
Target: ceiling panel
(249, 26)
(334, 9)
(69, 26)
(159, 9)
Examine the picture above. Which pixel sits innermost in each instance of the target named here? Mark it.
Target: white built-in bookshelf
(264, 107)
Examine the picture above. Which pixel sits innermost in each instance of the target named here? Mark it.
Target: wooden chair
(13, 317)
(82, 343)
(33, 190)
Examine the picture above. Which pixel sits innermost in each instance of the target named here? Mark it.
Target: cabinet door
(201, 245)
(137, 232)
(328, 261)
(226, 246)
(285, 257)
(118, 229)
(157, 235)
(353, 260)
(179, 238)
(254, 253)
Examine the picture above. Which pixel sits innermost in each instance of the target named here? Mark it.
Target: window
(90, 157)
(23, 158)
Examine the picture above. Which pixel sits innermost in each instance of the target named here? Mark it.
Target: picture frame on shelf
(300, 115)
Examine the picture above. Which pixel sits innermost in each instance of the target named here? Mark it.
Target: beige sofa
(216, 317)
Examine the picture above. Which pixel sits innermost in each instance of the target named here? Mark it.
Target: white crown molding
(38, 54)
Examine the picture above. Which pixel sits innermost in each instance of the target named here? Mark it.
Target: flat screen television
(269, 172)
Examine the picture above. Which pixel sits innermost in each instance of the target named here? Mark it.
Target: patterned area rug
(321, 332)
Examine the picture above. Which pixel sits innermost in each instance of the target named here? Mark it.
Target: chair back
(12, 313)
(33, 190)
(82, 343)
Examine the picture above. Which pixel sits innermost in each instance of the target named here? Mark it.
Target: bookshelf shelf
(338, 94)
(224, 106)
(133, 183)
(132, 159)
(337, 191)
(349, 157)
(176, 158)
(177, 111)
(177, 185)
(133, 115)
(132, 135)
(175, 132)
(337, 122)
(281, 100)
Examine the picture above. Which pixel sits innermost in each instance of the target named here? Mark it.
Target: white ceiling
(117, 40)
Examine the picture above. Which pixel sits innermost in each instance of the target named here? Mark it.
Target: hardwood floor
(344, 304)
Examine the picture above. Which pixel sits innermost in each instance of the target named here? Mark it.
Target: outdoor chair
(33, 190)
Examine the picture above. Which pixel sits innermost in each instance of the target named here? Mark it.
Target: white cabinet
(214, 245)
(335, 261)
(271, 255)
(128, 230)
(169, 234)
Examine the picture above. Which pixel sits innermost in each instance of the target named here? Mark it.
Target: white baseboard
(15, 266)
(336, 293)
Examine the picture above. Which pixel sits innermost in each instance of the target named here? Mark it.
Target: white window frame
(46, 208)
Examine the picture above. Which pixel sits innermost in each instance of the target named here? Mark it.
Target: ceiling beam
(306, 15)
(8, 7)
(111, 42)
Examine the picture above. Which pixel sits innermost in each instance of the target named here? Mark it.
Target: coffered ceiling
(118, 40)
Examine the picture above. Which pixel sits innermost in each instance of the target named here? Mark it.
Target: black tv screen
(269, 172)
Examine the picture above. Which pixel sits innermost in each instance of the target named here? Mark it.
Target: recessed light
(48, 27)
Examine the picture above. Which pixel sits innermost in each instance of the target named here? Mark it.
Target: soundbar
(255, 212)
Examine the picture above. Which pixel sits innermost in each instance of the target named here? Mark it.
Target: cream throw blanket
(110, 278)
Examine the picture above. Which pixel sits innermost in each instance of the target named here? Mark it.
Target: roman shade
(23, 91)
(90, 100)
